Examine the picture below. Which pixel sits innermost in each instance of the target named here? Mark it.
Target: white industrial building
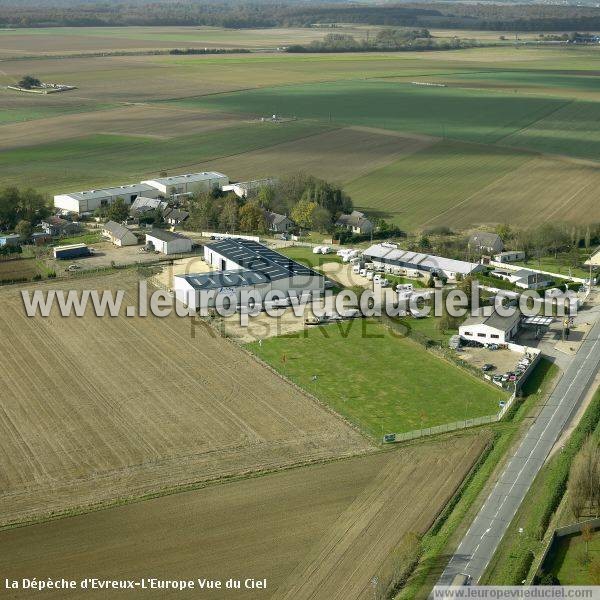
(90, 200)
(189, 183)
(392, 259)
(242, 188)
(509, 256)
(168, 242)
(118, 234)
(492, 329)
(242, 264)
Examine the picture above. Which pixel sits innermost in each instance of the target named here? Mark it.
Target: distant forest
(284, 13)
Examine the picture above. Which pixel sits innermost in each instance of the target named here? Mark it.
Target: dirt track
(98, 408)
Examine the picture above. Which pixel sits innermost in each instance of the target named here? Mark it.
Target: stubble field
(101, 408)
(319, 532)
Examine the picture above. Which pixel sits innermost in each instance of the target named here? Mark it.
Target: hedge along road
(479, 544)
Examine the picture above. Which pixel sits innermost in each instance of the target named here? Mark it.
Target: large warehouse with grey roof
(242, 265)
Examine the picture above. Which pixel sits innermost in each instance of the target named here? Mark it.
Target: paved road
(479, 544)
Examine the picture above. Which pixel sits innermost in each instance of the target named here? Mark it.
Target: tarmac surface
(479, 544)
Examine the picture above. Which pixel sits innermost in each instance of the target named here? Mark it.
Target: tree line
(285, 13)
(385, 40)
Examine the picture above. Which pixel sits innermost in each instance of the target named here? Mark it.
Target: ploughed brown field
(320, 532)
(95, 409)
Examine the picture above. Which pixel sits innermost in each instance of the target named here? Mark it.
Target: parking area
(105, 254)
(503, 360)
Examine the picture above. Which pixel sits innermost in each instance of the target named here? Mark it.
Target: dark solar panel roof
(224, 279)
(260, 259)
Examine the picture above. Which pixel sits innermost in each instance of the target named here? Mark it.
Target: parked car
(73, 268)
(488, 367)
(370, 275)
(317, 250)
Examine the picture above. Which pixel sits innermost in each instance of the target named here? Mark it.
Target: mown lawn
(305, 256)
(376, 379)
(571, 564)
(561, 265)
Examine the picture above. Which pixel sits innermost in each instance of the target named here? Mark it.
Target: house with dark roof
(490, 328)
(118, 234)
(484, 242)
(355, 222)
(278, 223)
(175, 216)
(57, 226)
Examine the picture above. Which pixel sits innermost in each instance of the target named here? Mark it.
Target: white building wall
(483, 334)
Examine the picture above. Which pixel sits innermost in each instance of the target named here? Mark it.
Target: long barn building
(392, 259)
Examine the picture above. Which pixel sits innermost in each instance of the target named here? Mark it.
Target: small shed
(10, 239)
(168, 242)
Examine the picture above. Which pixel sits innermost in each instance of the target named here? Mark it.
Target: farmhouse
(355, 222)
(89, 201)
(392, 259)
(168, 242)
(242, 188)
(10, 239)
(118, 234)
(188, 184)
(484, 242)
(175, 216)
(492, 329)
(56, 226)
(142, 204)
(243, 264)
(278, 223)
(509, 256)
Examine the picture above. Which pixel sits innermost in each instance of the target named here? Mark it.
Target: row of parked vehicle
(512, 376)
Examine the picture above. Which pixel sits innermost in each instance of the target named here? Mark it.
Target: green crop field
(376, 379)
(426, 186)
(471, 115)
(111, 159)
(573, 129)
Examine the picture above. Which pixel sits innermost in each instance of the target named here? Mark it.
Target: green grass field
(376, 379)
(112, 159)
(560, 265)
(567, 563)
(305, 256)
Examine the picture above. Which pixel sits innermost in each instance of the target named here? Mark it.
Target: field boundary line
(525, 127)
(304, 392)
